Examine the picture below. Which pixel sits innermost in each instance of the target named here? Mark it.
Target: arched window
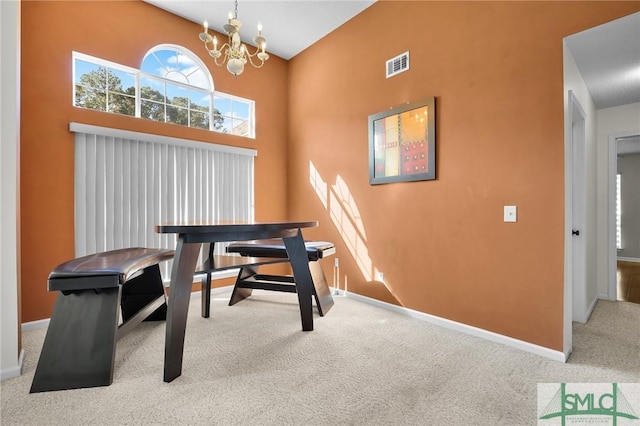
(172, 85)
(177, 64)
(175, 87)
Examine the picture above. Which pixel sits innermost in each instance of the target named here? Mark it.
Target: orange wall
(496, 71)
(121, 32)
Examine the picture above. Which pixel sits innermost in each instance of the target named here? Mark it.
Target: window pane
(91, 99)
(199, 100)
(153, 89)
(200, 120)
(122, 104)
(218, 123)
(177, 95)
(152, 110)
(177, 115)
(225, 125)
(151, 65)
(86, 72)
(241, 110)
(240, 127)
(223, 105)
(199, 79)
(122, 82)
(176, 76)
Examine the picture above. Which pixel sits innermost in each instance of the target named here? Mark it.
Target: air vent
(398, 64)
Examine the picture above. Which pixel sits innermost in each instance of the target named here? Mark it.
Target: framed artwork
(402, 143)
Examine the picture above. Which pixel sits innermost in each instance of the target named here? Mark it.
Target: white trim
(13, 371)
(464, 328)
(102, 62)
(127, 134)
(35, 325)
(628, 259)
(592, 307)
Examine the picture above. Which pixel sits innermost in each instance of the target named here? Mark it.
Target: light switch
(510, 214)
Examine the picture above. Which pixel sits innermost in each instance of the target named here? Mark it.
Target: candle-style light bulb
(206, 26)
(259, 27)
(230, 16)
(215, 43)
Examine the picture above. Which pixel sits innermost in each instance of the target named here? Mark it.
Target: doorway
(621, 143)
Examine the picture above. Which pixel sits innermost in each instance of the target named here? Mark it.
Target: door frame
(575, 112)
(578, 118)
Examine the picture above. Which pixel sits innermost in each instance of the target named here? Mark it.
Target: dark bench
(79, 348)
(249, 279)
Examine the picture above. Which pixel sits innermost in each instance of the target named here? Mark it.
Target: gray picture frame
(402, 143)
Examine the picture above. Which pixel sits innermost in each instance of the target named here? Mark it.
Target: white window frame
(618, 211)
(139, 73)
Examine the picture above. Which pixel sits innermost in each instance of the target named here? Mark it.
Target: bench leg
(297, 254)
(142, 290)
(322, 294)
(79, 348)
(238, 293)
(205, 296)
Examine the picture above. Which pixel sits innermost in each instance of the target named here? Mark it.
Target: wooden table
(190, 238)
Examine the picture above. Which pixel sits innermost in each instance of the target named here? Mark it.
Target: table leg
(304, 285)
(184, 265)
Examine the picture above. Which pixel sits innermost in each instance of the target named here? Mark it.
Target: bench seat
(249, 279)
(94, 292)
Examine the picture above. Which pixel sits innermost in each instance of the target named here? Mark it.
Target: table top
(208, 227)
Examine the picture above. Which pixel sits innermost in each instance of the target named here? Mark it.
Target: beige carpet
(251, 364)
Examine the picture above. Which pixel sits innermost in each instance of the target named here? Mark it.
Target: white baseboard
(464, 328)
(592, 307)
(35, 325)
(442, 322)
(628, 259)
(13, 371)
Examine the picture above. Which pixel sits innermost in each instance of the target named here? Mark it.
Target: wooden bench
(94, 290)
(249, 279)
(217, 263)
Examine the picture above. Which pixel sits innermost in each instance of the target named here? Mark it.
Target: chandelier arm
(251, 61)
(246, 49)
(225, 57)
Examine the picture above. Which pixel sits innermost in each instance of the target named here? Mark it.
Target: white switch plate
(510, 214)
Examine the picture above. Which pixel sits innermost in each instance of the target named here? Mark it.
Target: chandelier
(234, 53)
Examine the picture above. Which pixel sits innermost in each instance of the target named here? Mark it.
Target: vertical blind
(127, 182)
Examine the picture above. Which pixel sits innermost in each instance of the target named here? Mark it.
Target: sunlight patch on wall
(345, 215)
(318, 184)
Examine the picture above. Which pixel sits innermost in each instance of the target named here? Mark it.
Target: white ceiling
(608, 57)
(289, 26)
